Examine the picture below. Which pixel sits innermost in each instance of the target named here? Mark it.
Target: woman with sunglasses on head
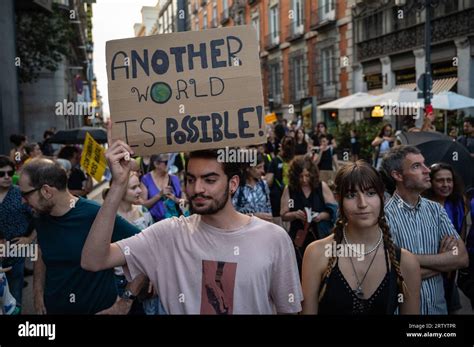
(447, 189)
(358, 269)
(15, 224)
(161, 192)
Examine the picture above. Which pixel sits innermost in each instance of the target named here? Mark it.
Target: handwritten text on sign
(186, 91)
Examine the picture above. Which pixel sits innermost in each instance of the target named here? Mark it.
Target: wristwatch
(128, 295)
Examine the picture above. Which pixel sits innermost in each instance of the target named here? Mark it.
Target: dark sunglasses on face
(25, 194)
(9, 173)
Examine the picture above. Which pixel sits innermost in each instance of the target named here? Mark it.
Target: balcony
(294, 32)
(277, 99)
(324, 15)
(296, 95)
(251, 2)
(328, 91)
(272, 41)
(213, 23)
(225, 16)
(203, 2)
(444, 28)
(195, 7)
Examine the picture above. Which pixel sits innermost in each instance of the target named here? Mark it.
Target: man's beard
(216, 205)
(45, 208)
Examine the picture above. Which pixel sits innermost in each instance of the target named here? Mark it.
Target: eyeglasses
(10, 173)
(25, 194)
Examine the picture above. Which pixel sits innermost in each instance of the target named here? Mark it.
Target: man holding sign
(169, 97)
(217, 261)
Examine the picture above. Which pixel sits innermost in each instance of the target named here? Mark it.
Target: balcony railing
(296, 95)
(277, 99)
(272, 41)
(294, 32)
(458, 24)
(225, 16)
(323, 15)
(328, 90)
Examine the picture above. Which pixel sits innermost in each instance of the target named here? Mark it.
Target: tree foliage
(42, 40)
(366, 129)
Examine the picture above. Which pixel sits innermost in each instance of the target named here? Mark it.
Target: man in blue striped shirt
(422, 226)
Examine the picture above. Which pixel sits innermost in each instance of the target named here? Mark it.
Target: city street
(310, 157)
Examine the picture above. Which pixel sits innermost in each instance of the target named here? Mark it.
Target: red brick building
(301, 45)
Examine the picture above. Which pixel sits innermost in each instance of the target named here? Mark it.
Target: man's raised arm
(98, 252)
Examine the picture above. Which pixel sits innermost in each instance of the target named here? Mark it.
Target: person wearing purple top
(466, 276)
(161, 192)
(446, 189)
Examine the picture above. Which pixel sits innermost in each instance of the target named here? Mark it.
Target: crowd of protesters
(299, 230)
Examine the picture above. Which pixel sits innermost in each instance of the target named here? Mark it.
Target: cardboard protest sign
(186, 91)
(93, 158)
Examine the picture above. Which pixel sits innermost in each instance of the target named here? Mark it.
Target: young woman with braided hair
(358, 269)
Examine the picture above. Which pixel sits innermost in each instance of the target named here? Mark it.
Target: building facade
(390, 49)
(30, 108)
(300, 45)
(72, 82)
(167, 16)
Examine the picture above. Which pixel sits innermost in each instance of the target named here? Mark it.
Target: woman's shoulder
(174, 178)
(146, 176)
(319, 251)
(141, 209)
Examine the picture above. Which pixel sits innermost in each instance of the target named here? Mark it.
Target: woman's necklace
(364, 253)
(358, 291)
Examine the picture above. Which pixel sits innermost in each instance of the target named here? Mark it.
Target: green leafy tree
(42, 40)
(366, 129)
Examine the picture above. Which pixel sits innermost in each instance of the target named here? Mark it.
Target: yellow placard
(93, 158)
(377, 112)
(270, 118)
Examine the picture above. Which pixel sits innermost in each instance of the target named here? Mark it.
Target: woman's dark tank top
(339, 298)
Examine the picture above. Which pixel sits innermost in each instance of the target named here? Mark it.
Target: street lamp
(426, 80)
